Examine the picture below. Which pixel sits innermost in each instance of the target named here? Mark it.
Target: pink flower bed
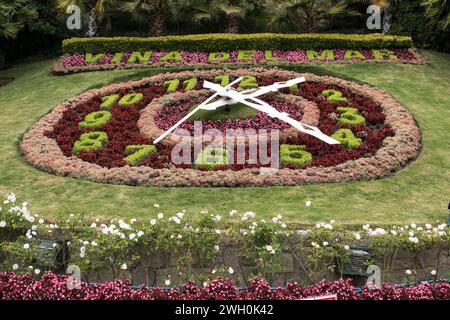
(195, 58)
(54, 287)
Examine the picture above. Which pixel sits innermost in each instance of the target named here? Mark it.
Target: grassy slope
(418, 193)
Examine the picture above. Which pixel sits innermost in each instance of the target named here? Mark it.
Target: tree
(440, 10)
(94, 8)
(14, 14)
(385, 6)
(307, 15)
(141, 10)
(229, 11)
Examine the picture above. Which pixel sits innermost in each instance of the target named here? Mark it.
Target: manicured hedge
(228, 42)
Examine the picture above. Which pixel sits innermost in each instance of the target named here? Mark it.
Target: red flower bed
(388, 138)
(122, 130)
(54, 287)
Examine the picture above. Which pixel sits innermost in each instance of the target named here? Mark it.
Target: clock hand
(219, 92)
(255, 92)
(272, 112)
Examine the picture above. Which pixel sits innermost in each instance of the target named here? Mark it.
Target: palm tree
(384, 5)
(307, 15)
(13, 16)
(141, 10)
(94, 8)
(440, 10)
(232, 11)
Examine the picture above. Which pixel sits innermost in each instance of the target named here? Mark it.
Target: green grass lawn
(418, 193)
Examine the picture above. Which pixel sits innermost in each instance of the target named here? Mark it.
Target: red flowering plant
(54, 287)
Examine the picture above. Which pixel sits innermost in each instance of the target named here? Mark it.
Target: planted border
(84, 62)
(229, 42)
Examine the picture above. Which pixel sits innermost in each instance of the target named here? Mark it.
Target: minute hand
(272, 112)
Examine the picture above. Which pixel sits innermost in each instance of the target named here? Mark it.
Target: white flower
(160, 215)
(283, 225)
(180, 215)
(346, 247)
(180, 236)
(269, 248)
(325, 243)
(124, 266)
(26, 246)
(308, 203)
(413, 225)
(153, 222)
(41, 221)
(274, 219)
(230, 270)
(37, 271)
(272, 252)
(15, 266)
(94, 244)
(433, 272)
(413, 239)
(428, 226)
(232, 213)
(366, 227)
(2, 224)
(140, 233)
(216, 247)
(217, 218)
(357, 236)
(132, 236)
(156, 205)
(167, 282)
(176, 220)
(408, 272)
(213, 271)
(94, 225)
(82, 252)
(11, 198)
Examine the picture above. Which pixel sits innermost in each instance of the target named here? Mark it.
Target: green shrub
(90, 141)
(350, 116)
(172, 85)
(325, 54)
(245, 55)
(137, 56)
(294, 154)
(95, 120)
(354, 54)
(138, 153)
(172, 56)
(230, 42)
(334, 96)
(218, 56)
(347, 138)
(190, 84)
(93, 58)
(384, 53)
(211, 158)
(109, 101)
(131, 99)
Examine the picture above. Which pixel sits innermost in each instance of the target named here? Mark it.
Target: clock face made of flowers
(330, 130)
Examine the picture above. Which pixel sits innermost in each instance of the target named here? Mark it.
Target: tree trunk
(158, 27)
(387, 21)
(92, 26)
(233, 24)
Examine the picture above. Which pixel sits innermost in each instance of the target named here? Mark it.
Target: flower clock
(326, 129)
